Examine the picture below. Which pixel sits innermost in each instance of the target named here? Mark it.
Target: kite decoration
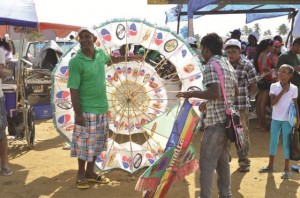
(178, 159)
(141, 93)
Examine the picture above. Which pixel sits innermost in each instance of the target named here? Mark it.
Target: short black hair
(278, 38)
(193, 45)
(297, 41)
(213, 42)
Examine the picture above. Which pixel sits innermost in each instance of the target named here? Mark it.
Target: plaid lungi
(91, 140)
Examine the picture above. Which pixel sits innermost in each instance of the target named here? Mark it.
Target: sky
(223, 24)
(92, 12)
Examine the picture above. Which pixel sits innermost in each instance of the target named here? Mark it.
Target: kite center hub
(130, 99)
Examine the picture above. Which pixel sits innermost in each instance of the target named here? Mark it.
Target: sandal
(101, 179)
(244, 168)
(295, 168)
(6, 172)
(266, 170)
(286, 175)
(82, 184)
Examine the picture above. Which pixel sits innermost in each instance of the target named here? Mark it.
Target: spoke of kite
(143, 112)
(117, 88)
(109, 52)
(130, 139)
(157, 132)
(149, 136)
(159, 65)
(167, 99)
(114, 137)
(147, 51)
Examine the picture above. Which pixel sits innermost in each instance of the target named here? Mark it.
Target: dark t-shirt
(292, 59)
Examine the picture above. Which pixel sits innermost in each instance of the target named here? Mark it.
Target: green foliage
(257, 28)
(268, 32)
(283, 29)
(246, 30)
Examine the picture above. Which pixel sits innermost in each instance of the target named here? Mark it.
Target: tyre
(31, 127)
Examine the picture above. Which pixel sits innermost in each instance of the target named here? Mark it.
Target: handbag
(234, 129)
(294, 145)
(292, 114)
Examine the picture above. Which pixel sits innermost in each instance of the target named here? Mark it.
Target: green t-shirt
(87, 75)
(292, 59)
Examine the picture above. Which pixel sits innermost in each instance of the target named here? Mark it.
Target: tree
(246, 30)
(268, 32)
(282, 29)
(197, 37)
(257, 28)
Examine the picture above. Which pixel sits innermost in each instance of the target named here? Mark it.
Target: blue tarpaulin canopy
(197, 8)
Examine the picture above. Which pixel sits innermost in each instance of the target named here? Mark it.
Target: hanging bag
(295, 145)
(294, 138)
(234, 129)
(292, 114)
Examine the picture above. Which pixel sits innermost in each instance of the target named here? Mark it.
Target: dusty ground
(48, 171)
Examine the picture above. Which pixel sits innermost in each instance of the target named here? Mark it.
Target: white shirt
(2, 61)
(281, 108)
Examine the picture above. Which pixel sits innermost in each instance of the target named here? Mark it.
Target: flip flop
(295, 168)
(244, 168)
(286, 175)
(82, 184)
(266, 170)
(101, 179)
(6, 172)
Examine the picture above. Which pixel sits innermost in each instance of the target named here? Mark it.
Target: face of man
(251, 40)
(233, 54)
(277, 49)
(235, 36)
(86, 40)
(296, 47)
(205, 53)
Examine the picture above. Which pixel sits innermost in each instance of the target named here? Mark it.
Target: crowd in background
(262, 70)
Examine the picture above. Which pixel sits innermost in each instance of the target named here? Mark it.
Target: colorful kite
(141, 93)
(178, 159)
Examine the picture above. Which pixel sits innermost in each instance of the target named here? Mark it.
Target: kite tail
(147, 184)
(187, 169)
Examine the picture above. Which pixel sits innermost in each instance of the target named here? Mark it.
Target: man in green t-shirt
(88, 95)
(87, 85)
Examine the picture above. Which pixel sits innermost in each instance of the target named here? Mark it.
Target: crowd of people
(262, 69)
(257, 67)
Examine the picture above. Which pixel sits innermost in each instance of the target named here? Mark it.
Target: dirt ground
(48, 171)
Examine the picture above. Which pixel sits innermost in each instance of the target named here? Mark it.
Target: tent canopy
(25, 13)
(254, 11)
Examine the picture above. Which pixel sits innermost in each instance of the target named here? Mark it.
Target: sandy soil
(48, 171)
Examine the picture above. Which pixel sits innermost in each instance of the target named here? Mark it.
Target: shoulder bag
(234, 129)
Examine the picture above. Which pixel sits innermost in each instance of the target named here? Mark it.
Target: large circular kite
(141, 94)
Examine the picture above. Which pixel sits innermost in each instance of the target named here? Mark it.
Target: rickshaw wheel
(30, 135)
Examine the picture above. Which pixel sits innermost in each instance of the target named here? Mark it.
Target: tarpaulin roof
(25, 13)
(196, 8)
